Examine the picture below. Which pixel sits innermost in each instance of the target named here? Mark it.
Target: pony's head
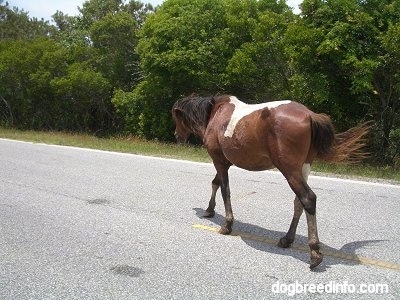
(191, 116)
(182, 133)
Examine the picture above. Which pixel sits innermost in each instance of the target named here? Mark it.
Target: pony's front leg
(226, 196)
(210, 211)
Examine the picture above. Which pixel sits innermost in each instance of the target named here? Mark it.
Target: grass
(126, 144)
(362, 171)
(135, 145)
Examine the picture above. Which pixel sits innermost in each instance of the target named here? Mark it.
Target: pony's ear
(178, 113)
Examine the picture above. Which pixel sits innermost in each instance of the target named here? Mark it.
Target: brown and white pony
(282, 134)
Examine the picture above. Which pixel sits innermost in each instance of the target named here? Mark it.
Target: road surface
(86, 224)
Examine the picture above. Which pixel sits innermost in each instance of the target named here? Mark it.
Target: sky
(46, 8)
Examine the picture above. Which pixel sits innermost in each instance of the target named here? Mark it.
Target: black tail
(341, 147)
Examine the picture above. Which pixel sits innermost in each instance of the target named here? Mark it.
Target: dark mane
(195, 112)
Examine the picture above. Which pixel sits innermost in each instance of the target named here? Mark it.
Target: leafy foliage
(355, 64)
(63, 78)
(118, 66)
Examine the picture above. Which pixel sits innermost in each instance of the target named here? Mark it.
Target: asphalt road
(84, 224)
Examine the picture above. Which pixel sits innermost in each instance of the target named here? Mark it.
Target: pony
(282, 134)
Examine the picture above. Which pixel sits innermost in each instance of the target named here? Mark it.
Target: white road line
(356, 181)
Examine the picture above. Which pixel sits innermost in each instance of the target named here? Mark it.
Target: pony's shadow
(329, 260)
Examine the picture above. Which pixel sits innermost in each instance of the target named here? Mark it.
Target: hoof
(316, 259)
(208, 214)
(284, 243)
(224, 231)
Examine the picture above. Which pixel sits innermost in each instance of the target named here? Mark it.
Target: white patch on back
(242, 109)
(306, 170)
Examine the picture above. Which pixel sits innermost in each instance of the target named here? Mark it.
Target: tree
(184, 47)
(350, 65)
(19, 60)
(186, 43)
(65, 78)
(69, 31)
(258, 70)
(16, 24)
(386, 83)
(45, 85)
(115, 39)
(84, 95)
(187, 46)
(93, 11)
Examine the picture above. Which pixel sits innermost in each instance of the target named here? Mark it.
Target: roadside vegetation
(115, 69)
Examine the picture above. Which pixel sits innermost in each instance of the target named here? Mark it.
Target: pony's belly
(248, 160)
(253, 167)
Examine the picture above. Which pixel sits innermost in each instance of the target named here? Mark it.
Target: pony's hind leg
(210, 211)
(307, 198)
(313, 240)
(288, 239)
